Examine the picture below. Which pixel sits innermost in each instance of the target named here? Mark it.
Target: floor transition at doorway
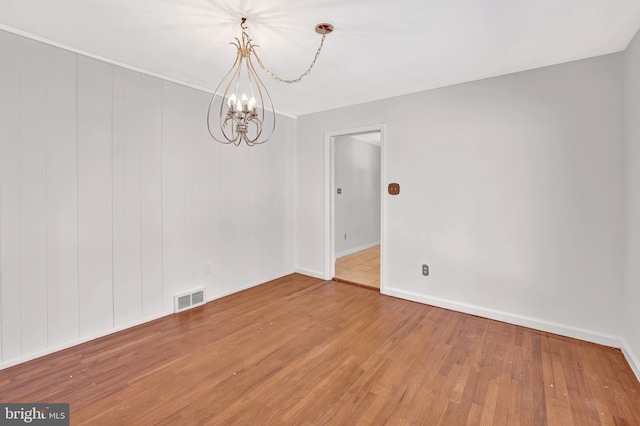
(361, 268)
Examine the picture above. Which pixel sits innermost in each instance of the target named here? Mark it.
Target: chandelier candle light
(245, 110)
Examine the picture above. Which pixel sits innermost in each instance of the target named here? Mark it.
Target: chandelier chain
(304, 74)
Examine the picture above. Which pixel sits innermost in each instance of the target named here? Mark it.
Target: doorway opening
(355, 231)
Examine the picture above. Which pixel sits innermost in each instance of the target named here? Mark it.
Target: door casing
(329, 191)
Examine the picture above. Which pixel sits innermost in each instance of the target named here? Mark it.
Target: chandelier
(244, 110)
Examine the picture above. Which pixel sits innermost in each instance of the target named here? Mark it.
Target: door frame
(329, 202)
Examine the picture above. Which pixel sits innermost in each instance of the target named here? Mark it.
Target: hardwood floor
(361, 267)
(304, 351)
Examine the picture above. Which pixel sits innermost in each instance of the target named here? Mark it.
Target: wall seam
(113, 275)
(140, 156)
(20, 190)
(78, 186)
(46, 191)
(162, 191)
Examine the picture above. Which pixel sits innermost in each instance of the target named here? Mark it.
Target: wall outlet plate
(425, 270)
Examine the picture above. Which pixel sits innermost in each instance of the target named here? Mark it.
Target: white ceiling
(379, 49)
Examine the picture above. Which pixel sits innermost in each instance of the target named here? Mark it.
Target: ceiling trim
(111, 61)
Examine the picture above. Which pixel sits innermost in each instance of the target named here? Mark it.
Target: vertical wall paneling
(10, 196)
(246, 214)
(127, 197)
(62, 198)
(259, 221)
(285, 183)
(287, 255)
(280, 213)
(173, 191)
(151, 195)
(229, 237)
(199, 203)
(212, 213)
(95, 219)
(113, 198)
(188, 145)
(33, 206)
(132, 194)
(273, 211)
(118, 190)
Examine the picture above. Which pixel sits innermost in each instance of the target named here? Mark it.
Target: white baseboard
(535, 323)
(354, 250)
(551, 327)
(76, 342)
(246, 286)
(311, 273)
(632, 359)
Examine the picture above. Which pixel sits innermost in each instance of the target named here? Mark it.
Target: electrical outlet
(425, 270)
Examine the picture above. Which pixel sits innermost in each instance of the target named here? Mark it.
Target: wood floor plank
(299, 350)
(505, 366)
(515, 396)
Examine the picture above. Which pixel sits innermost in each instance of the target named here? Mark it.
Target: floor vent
(188, 300)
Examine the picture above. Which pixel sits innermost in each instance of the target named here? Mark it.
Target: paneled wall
(113, 198)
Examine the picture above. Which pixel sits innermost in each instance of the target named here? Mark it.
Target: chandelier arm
(254, 141)
(296, 80)
(234, 69)
(260, 85)
(209, 126)
(258, 125)
(235, 136)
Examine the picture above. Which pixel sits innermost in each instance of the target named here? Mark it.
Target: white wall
(512, 191)
(113, 198)
(632, 289)
(357, 208)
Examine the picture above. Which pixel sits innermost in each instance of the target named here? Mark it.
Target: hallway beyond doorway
(361, 268)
